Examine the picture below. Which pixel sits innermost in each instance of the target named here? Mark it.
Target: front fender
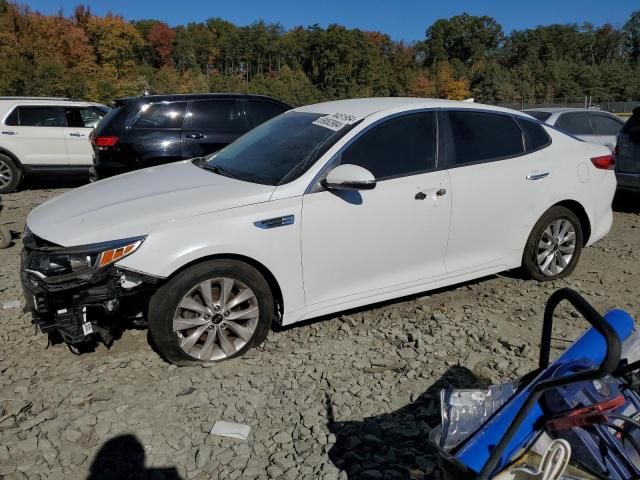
(174, 244)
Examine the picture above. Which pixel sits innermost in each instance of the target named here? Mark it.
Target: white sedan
(324, 208)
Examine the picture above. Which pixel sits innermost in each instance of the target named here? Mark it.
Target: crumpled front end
(80, 293)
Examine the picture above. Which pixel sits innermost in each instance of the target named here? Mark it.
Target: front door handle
(76, 134)
(420, 196)
(441, 192)
(8, 132)
(537, 176)
(195, 135)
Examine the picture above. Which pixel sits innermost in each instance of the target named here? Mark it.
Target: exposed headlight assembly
(79, 262)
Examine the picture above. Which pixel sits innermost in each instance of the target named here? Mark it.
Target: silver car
(590, 125)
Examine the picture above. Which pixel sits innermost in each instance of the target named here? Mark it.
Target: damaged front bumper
(77, 308)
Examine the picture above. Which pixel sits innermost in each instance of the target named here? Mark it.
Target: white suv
(41, 135)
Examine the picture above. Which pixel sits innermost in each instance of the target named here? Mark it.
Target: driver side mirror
(349, 177)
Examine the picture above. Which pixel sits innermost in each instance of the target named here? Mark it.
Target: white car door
(369, 242)
(35, 134)
(80, 123)
(497, 188)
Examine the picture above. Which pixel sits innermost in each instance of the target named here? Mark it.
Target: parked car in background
(590, 125)
(324, 208)
(156, 129)
(45, 136)
(628, 153)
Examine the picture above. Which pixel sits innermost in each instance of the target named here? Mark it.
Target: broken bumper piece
(77, 308)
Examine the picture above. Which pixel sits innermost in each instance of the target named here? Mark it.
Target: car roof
(48, 101)
(564, 110)
(363, 107)
(194, 96)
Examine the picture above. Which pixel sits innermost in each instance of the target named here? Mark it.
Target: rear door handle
(8, 132)
(537, 176)
(76, 134)
(420, 196)
(195, 135)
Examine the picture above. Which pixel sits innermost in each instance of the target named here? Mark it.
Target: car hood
(133, 204)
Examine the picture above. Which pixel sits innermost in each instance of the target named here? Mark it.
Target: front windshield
(277, 151)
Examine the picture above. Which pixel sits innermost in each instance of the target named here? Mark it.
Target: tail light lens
(105, 141)
(603, 162)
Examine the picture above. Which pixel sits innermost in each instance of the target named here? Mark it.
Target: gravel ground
(350, 397)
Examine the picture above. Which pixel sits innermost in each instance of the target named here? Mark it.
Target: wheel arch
(12, 156)
(274, 285)
(581, 213)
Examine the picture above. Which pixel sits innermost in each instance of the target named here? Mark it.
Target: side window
(576, 123)
(261, 111)
(91, 116)
(13, 119)
(482, 137)
(161, 115)
(225, 115)
(74, 119)
(605, 125)
(535, 136)
(400, 146)
(41, 117)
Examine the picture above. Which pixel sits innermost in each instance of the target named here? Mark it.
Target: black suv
(151, 130)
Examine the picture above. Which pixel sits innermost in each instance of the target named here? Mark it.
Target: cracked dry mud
(351, 397)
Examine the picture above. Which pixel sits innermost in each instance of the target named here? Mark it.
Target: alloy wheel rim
(6, 175)
(556, 247)
(216, 318)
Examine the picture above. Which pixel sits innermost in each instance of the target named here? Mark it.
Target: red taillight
(603, 162)
(105, 141)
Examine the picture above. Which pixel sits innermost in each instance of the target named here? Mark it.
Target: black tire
(529, 258)
(10, 168)
(166, 299)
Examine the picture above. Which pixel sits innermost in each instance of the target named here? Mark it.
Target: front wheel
(211, 312)
(554, 245)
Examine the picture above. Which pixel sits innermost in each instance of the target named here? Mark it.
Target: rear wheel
(554, 245)
(10, 174)
(211, 312)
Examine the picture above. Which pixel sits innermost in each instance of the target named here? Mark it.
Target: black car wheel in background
(151, 130)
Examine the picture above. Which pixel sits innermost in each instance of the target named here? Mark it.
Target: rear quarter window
(535, 136)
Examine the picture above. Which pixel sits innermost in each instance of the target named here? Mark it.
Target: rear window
(576, 123)
(161, 115)
(605, 125)
(542, 116)
(535, 136)
(37, 117)
(261, 111)
(481, 137)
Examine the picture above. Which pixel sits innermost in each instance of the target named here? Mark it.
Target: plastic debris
(230, 429)
(11, 304)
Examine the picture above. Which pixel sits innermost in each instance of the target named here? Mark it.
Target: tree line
(100, 58)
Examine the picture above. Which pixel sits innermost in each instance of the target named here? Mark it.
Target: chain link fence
(618, 107)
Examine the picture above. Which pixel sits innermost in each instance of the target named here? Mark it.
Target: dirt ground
(353, 396)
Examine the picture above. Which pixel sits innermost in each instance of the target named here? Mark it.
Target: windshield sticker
(336, 121)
